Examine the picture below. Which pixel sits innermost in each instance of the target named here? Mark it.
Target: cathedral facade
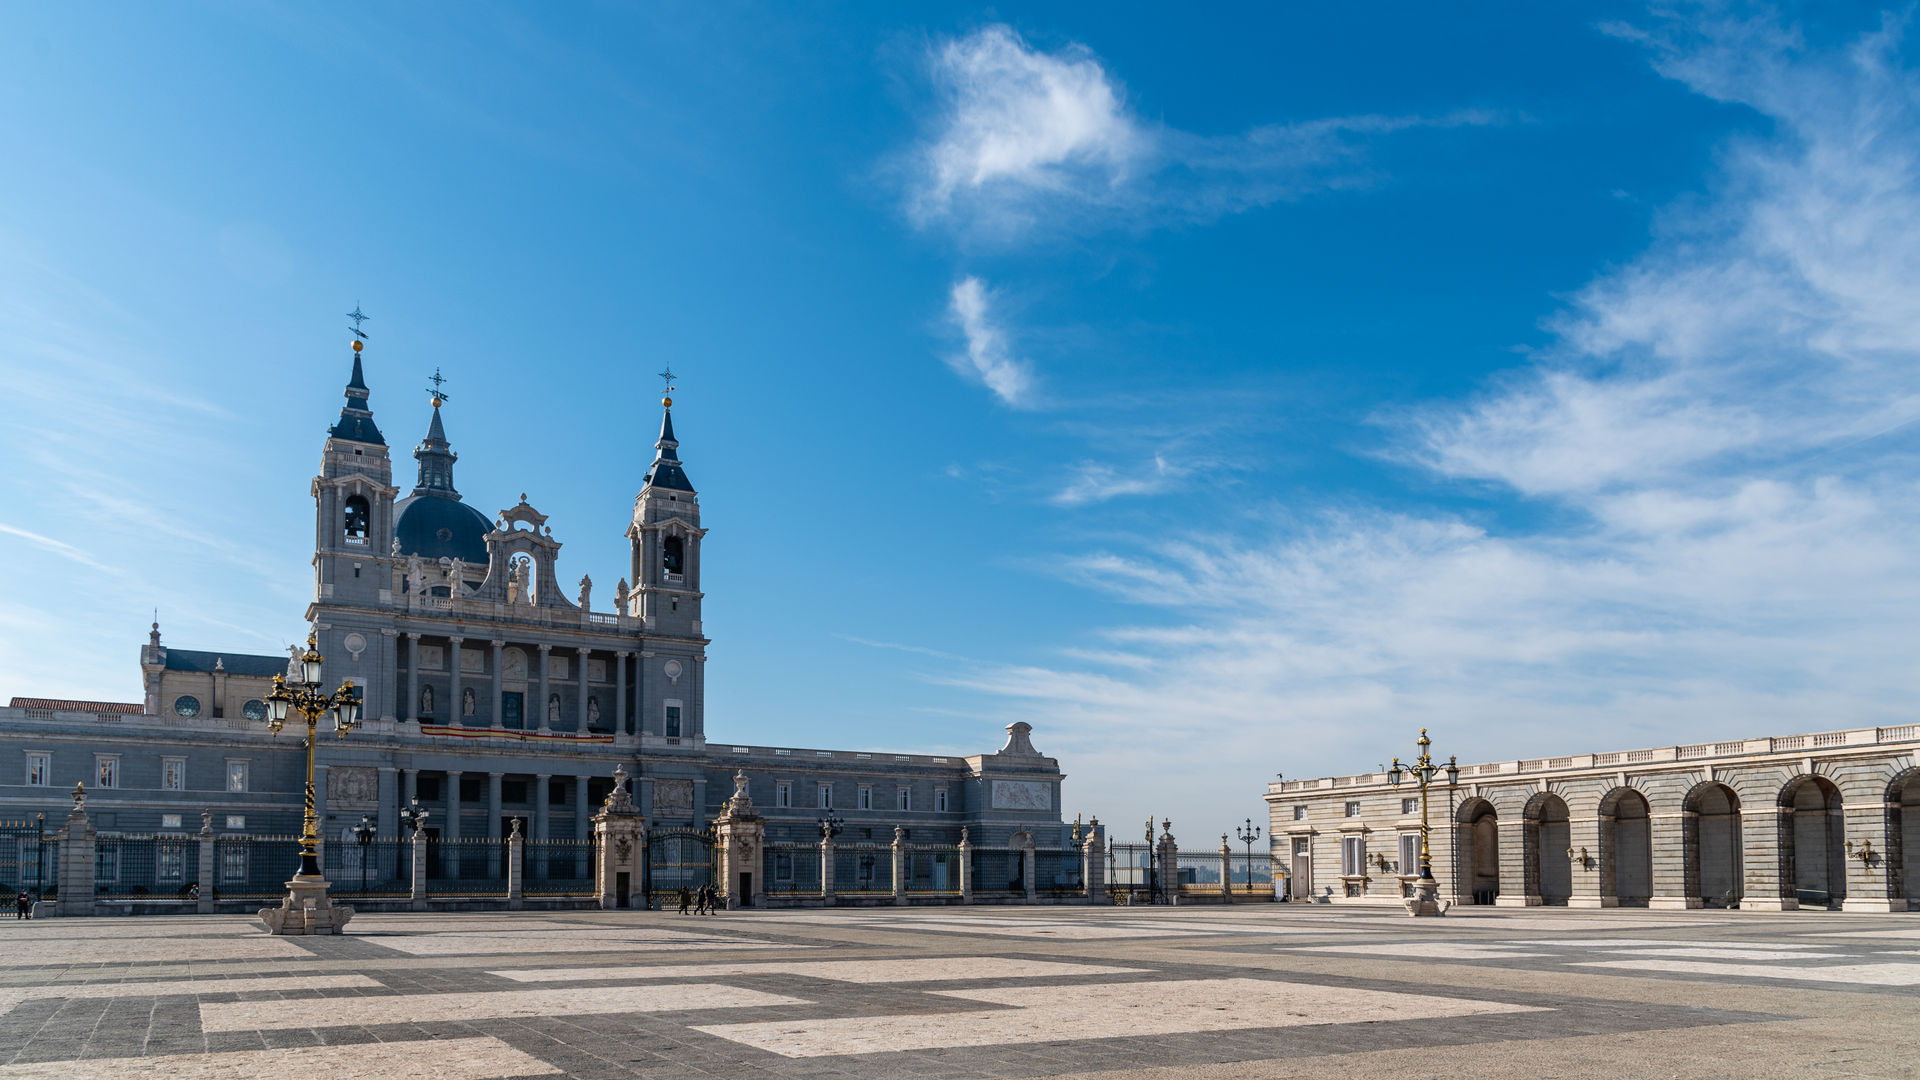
(490, 692)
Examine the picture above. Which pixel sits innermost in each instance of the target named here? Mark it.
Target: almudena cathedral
(1829, 820)
(491, 696)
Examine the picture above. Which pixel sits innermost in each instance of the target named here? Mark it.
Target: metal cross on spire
(440, 396)
(668, 377)
(358, 317)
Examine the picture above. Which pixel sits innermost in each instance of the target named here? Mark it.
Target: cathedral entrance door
(512, 709)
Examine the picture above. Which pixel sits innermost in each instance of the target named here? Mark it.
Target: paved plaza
(1236, 991)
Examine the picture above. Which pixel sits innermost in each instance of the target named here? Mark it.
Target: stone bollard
(516, 869)
(900, 866)
(204, 904)
(966, 867)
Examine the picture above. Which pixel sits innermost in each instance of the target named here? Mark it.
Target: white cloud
(1097, 482)
(988, 357)
(1025, 138)
(1719, 443)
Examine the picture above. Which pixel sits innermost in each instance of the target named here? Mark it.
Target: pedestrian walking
(700, 906)
(686, 899)
(23, 906)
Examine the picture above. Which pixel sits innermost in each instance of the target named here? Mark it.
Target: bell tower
(666, 594)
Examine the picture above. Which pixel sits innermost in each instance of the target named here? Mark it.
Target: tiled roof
(70, 705)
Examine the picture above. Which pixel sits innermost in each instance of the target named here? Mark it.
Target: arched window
(357, 517)
(673, 555)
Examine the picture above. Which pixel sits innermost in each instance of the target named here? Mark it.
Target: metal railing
(558, 868)
(382, 866)
(791, 869)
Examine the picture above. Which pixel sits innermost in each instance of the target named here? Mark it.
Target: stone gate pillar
(1026, 866)
(419, 860)
(1168, 858)
(738, 836)
(966, 867)
(207, 869)
(900, 867)
(620, 833)
(516, 869)
(76, 858)
(1093, 865)
(826, 863)
(1226, 871)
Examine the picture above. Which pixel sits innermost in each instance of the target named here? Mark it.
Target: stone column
(409, 786)
(582, 822)
(542, 785)
(412, 710)
(620, 693)
(899, 865)
(452, 830)
(516, 872)
(1592, 833)
(1027, 867)
(493, 824)
(1769, 886)
(1519, 877)
(1667, 836)
(739, 837)
(1226, 870)
(621, 832)
(966, 867)
(1093, 864)
(207, 868)
(420, 863)
(1168, 857)
(541, 705)
(388, 798)
(455, 714)
(580, 723)
(494, 717)
(826, 867)
(1871, 886)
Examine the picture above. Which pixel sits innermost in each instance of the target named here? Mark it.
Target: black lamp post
(830, 826)
(40, 882)
(415, 816)
(364, 833)
(1248, 834)
(305, 698)
(1425, 900)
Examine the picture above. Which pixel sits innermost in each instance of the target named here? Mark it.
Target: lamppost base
(306, 910)
(1425, 900)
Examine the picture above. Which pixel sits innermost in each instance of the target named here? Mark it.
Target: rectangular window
(169, 821)
(106, 770)
(1410, 806)
(783, 867)
(783, 794)
(866, 798)
(106, 863)
(236, 821)
(170, 863)
(1353, 856)
(1299, 813)
(940, 800)
(906, 799)
(173, 773)
(233, 864)
(556, 793)
(1353, 809)
(1410, 853)
(473, 789)
(1302, 845)
(39, 769)
(673, 721)
(824, 797)
(513, 791)
(236, 776)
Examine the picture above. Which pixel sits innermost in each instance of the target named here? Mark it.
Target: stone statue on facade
(553, 709)
(466, 701)
(456, 578)
(620, 597)
(416, 577)
(593, 710)
(619, 799)
(740, 804)
(517, 582)
(586, 592)
(426, 701)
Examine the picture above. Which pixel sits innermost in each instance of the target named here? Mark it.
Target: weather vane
(667, 376)
(358, 317)
(440, 397)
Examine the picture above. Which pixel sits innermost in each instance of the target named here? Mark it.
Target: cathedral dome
(439, 527)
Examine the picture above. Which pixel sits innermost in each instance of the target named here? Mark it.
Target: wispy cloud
(1026, 138)
(60, 548)
(1094, 481)
(988, 357)
(1721, 432)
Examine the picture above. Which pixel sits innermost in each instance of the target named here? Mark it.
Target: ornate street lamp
(830, 826)
(1426, 892)
(305, 699)
(415, 816)
(364, 833)
(1248, 834)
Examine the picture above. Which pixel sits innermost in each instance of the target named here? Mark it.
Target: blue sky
(1222, 396)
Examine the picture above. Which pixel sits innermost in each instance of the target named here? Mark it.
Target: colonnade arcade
(1769, 841)
(514, 685)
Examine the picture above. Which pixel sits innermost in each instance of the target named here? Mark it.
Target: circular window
(186, 705)
(254, 709)
(444, 535)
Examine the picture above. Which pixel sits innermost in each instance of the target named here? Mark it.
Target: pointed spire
(666, 472)
(356, 419)
(436, 458)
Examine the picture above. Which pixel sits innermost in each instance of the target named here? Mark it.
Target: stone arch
(1813, 861)
(1548, 833)
(1626, 848)
(1710, 845)
(1477, 865)
(1902, 858)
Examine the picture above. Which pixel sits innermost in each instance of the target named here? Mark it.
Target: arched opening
(1549, 833)
(1812, 842)
(357, 519)
(1903, 860)
(1626, 851)
(1710, 846)
(673, 555)
(1478, 828)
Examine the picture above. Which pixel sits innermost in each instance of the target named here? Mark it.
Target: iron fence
(557, 868)
(863, 869)
(792, 869)
(679, 859)
(149, 867)
(999, 871)
(1250, 874)
(253, 867)
(1132, 876)
(1198, 871)
(382, 866)
(467, 867)
(933, 870)
(29, 859)
(1058, 872)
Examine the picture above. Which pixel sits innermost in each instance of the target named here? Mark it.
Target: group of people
(704, 901)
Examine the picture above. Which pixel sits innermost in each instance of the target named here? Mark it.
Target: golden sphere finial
(667, 401)
(358, 344)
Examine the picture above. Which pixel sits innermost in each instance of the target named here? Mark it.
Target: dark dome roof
(439, 527)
